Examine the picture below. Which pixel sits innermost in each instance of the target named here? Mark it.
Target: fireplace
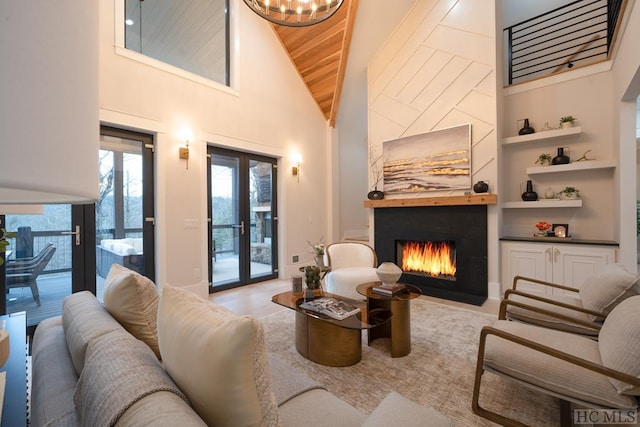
(433, 259)
(441, 249)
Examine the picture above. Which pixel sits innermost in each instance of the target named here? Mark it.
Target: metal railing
(61, 260)
(579, 33)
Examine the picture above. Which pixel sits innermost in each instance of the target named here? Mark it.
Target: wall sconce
(184, 152)
(295, 167)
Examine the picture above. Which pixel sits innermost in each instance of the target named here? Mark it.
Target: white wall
(591, 100)
(374, 22)
(270, 113)
(626, 76)
(437, 70)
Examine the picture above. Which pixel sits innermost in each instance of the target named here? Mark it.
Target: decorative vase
(388, 273)
(549, 193)
(566, 125)
(560, 159)
(320, 261)
(526, 129)
(529, 195)
(375, 194)
(481, 187)
(312, 276)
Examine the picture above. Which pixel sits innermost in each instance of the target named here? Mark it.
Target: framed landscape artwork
(432, 161)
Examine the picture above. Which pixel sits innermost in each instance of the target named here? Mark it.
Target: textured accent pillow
(619, 343)
(218, 359)
(132, 300)
(84, 319)
(606, 289)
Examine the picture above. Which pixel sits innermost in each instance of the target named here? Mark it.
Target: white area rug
(439, 371)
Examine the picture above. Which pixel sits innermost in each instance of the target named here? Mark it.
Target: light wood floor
(255, 300)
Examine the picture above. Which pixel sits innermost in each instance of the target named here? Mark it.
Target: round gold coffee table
(399, 327)
(328, 341)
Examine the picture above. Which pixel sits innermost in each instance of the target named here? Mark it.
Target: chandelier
(295, 13)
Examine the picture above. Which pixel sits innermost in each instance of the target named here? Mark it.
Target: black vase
(375, 195)
(527, 129)
(529, 195)
(481, 187)
(560, 159)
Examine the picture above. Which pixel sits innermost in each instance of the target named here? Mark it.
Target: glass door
(45, 260)
(125, 210)
(242, 218)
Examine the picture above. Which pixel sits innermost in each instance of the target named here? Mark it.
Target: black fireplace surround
(466, 225)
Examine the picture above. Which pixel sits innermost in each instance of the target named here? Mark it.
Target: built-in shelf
(543, 204)
(575, 166)
(541, 136)
(472, 199)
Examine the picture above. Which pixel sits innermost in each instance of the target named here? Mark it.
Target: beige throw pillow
(218, 359)
(132, 299)
(619, 343)
(608, 288)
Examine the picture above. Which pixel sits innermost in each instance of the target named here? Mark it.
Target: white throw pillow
(218, 359)
(608, 288)
(619, 343)
(132, 299)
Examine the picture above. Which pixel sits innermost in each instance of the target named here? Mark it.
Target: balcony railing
(61, 260)
(577, 34)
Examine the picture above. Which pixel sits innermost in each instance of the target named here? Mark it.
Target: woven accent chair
(580, 311)
(602, 374)
(24, 272)
(350, 264)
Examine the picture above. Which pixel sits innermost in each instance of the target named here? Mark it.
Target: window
(192, 35)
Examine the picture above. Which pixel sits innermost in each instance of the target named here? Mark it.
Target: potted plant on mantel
(567, 121)
(569, 193)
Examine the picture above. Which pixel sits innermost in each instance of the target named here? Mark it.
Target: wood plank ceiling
(319, 53)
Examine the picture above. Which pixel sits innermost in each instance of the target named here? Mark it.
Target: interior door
(242, 218)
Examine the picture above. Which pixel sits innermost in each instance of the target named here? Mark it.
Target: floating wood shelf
(475, 199)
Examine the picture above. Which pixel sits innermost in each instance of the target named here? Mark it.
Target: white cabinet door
(564, 264)
(573, 264)
(526, 259)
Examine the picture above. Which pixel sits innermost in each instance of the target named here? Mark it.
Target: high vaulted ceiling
(320, 53)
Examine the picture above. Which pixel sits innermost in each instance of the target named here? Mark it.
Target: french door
(242, 218)
(70, 248)
(50, 255)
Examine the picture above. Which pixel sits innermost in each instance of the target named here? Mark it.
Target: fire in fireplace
(434, 259)
(464, 228)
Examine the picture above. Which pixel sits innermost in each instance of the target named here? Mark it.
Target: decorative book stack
(389, 288)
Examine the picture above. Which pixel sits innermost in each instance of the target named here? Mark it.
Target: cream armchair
(602, 374)
(350, 263)
(569, 309)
